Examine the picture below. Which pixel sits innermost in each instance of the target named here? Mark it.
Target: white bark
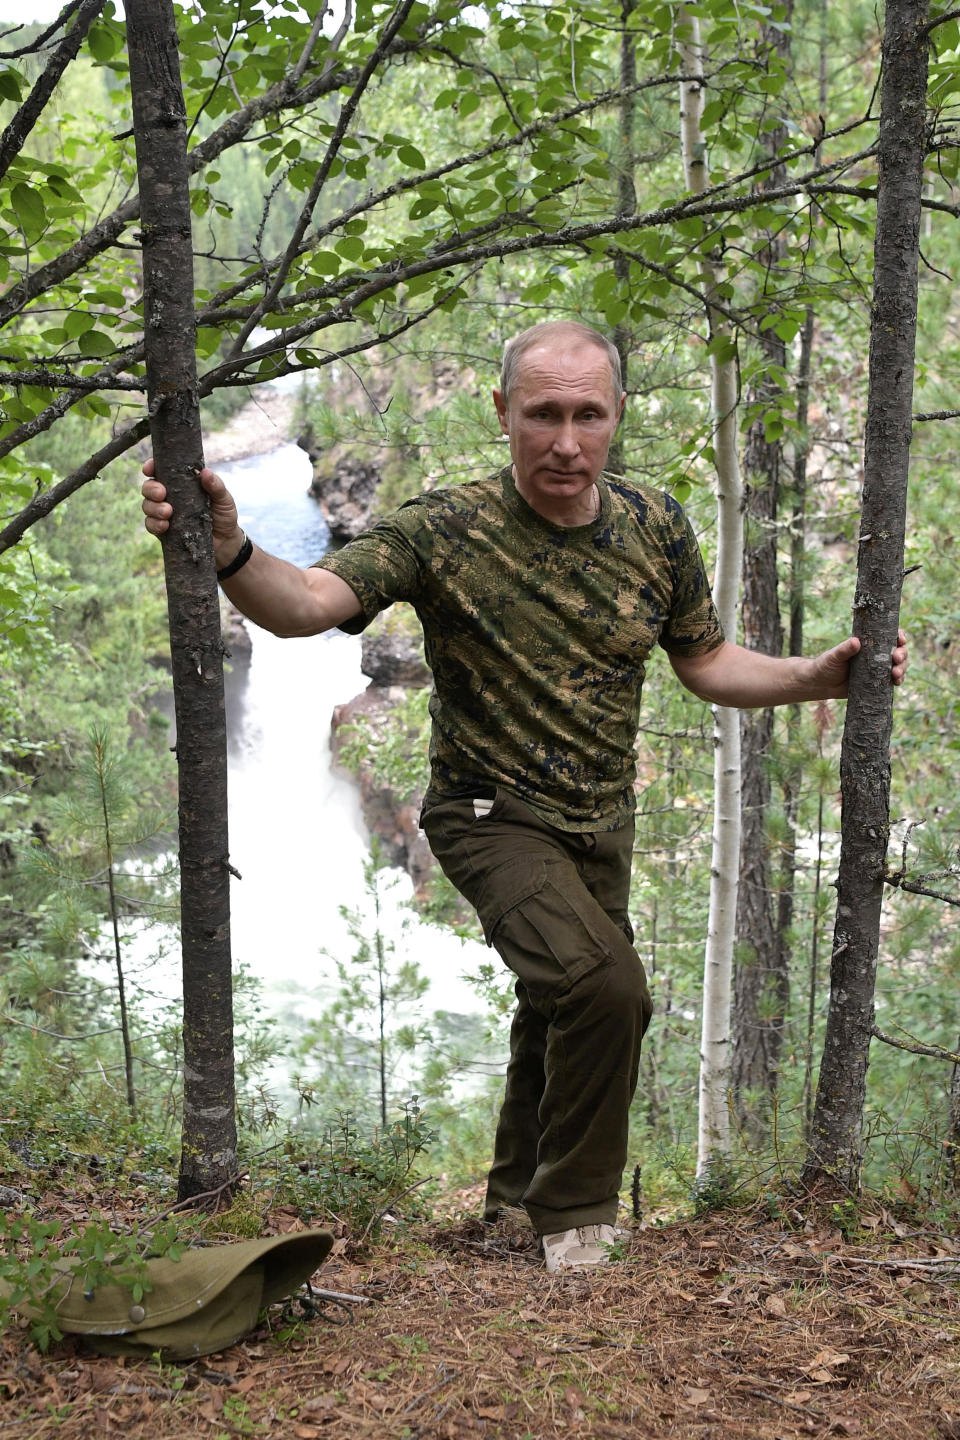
(713, 1139)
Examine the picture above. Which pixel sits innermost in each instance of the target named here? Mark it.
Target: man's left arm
(747, 679)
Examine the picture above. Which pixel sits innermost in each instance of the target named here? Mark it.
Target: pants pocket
(544, 925)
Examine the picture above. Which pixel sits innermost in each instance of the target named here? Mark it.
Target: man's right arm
(274, 594)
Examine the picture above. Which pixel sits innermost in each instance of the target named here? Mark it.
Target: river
(297, 836)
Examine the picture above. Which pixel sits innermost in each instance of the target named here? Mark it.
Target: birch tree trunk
(208, 1158)
(713, 1139)
(834, 1156)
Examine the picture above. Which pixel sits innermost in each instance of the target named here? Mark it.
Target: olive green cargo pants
(554, 905)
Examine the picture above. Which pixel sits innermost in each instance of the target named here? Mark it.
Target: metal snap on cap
(137, 1313)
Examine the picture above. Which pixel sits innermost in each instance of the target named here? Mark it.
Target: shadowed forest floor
(730, 1325)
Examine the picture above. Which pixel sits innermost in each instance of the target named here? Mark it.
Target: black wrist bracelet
(238, 561)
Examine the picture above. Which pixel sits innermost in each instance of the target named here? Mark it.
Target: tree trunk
(713, 1141)
(760, 988)
(761, 983)
(834, 1157)
(626, 196)
(208, 1158)
(953, 1133)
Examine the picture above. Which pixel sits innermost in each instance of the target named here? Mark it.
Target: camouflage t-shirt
(537, 634)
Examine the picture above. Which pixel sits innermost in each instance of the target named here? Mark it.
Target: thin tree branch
(49, 380)
(224, 57)
(280, 97)
(55, 1034)
(42, 421)
(42, 39)
(41, 505)
(316, 30)
(552, 121)
(575, 237)
(569, 237)
(916, 1049)
(916, 887)
(941, 19)
(192, 1200)
(674, 279)
(347, 111)
(938, 415)
(15, 135)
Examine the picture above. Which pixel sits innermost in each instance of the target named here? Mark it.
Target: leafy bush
(355, 1178)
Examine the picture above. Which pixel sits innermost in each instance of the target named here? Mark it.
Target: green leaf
(95, 342)
(351, 247)
(682, 490)
(77, 321)
(29, 208)
(103, 43)
(10, 86)
(208, 341)
(325, 262)
(410, 156)
(724, 347)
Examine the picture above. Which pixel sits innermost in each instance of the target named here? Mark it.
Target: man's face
(560, 419)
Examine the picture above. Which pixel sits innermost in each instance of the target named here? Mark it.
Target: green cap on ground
(208, 1299)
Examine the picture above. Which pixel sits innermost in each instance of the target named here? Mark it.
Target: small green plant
(355, 1177)
(845, 1216)
(374, 1020)
(717, 1188)
(38, 1259)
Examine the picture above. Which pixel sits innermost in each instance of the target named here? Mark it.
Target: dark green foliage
(352, 1175)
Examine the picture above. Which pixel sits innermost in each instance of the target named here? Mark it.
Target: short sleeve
(384, 564)
(692, 626)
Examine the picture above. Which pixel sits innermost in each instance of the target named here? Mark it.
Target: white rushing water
(297, 835)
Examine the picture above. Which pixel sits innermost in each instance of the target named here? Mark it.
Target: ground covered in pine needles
(733, 1324)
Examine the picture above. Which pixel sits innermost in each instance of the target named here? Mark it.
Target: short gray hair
(515, 349)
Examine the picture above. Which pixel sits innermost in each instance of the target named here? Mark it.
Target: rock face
(394, 821)
(236, 636)
(392, 656)
(346, 490)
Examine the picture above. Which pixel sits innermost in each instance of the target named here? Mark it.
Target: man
(541, 591)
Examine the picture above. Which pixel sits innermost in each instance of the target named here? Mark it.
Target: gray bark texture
(761, 981)
(208, 1158)
(834, 1157)
(626, 198)
(953, 1133)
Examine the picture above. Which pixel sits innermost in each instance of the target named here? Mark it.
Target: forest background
(461, 180)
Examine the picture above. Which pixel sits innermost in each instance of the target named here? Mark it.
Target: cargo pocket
(543, 923)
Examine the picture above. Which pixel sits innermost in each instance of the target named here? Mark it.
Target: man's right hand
(273, 593)
(227, 535)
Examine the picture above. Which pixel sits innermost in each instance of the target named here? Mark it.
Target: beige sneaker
(574, 1249)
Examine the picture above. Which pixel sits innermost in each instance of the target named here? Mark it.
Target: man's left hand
(833, 666)
(749, 680)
